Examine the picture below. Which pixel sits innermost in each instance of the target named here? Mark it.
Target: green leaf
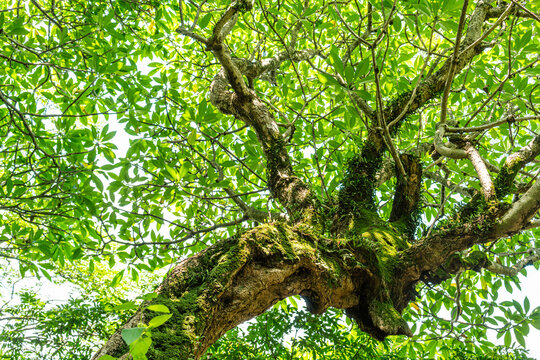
(125, 306)
(507, 339)
(535, 320)
(139, 348)
(192, 137)
(17, 30)
(117, 278)
(336, 60)
(174, 174)
(159, 308)
(327, 79)
(363, 67)
(205, 20)
(508, 286)
(519, 337)
(159, 320)
(132, 334)
(107, 357)
(397, 23)
(364, 94)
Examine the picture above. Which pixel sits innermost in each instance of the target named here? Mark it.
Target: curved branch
(513, 165)
(241, 277)
(494, 267)
(488, 189)
(446, 150)
(290, 190)
(518, 216)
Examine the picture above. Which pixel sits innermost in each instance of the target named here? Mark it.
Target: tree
(357, 154)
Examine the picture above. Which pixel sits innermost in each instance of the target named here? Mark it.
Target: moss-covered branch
(405, 208)
(241, 277)
(504, 182)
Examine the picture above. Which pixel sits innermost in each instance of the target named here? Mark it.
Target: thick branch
(244, 104)
(241, 277)
(513, 164)
(521, 211)
(407, 194)
(488, 190)
(490, 225)
(282, 182)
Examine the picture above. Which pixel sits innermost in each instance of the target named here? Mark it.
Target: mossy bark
(241, 277)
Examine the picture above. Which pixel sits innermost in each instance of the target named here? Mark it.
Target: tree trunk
(241, 277)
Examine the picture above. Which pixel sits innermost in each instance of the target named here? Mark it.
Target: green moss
(177, 338)
(387, 318)
(199, 290)
(475, 260)
(358, 185)
(504, 183)
(378, 247)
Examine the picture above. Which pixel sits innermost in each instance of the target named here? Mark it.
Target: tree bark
(243, 276)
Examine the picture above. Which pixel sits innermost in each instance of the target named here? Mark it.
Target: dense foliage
(114, 163)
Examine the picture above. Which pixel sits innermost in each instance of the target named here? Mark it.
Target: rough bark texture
(241, 277)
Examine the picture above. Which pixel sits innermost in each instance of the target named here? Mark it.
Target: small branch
(443, 149)
(533, 224)
(496, 12)
(380, 117)
(436, 82)
(483, 174)
(508, 119)
(358, 101)
(497, 268)
(526, 12)
(254, 214)
(46, 15)
(192, 35)
(450, 185)
(197, 14)
(450, 78)
(413, 94)
(496, 91)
